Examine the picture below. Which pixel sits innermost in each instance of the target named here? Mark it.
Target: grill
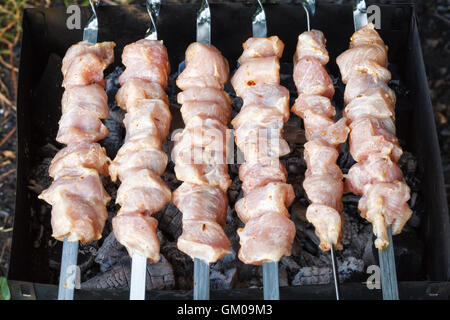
(33, 272)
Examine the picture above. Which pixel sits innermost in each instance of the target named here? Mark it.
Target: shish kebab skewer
(269, 233)
(141, 160)
(200, 153)
(324, 180)
(373, 144)
(77, 194)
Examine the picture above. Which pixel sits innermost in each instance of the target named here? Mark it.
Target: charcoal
(299, 211)
(225, 280)
(283, 280)
(290, 264)
(182, 264)
(170, 221)
(293, 131)
(110, 253)
(370, 255)
(351, 269)
(113, 140)
(312, 275)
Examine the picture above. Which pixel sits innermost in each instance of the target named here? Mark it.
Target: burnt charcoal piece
(110, 253)
(113, 140)
(312, 275)
(225, 280)
(170, 221)
(159, 276)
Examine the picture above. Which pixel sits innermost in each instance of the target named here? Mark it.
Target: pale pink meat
(323, 178)
(203, 239)
(205, 67)
(199, 202)
(312, 44)
(200, 152)
(77, 195)
(274, 197)
(266, 239)
(84, 63)
(145, 60)
(90, 98)
(141, 160)
(270, 95)
(79, 205)
(369, 136)
(256, 72)
(79, 155)
(258, 174)
(261, 48)
(377, 168)
(328, 223)
(135, 90)
(150, 117)
(258, 128)
(137, 232)
(79, 125)
(311, 78)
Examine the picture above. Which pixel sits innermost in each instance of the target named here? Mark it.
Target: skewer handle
(389, 284)
(270, 281)
(68, 271)
(138, 273)
(201, 280)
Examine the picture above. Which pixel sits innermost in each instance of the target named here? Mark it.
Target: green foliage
(4, 289)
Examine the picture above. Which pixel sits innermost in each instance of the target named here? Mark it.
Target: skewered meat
(268, 233)
(141, 160)
(200, 153)
(373, 144)
(323, 178)
(77, 195)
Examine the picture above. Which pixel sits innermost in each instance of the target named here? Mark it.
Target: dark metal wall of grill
(45, 33)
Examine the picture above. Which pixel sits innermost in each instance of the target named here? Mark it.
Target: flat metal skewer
(389, 284)
(138, 275)
(270, 281)
(68, 274)
(201, 280)
(270, 269)
(201, 268)
(138, 261)
(70, 248)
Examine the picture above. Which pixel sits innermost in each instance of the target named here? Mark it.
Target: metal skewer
(270, 269)
(389, 284)
(310, 8)
(201, 268)
(68, 268)
(70, 248)
(337, 287)
(201, 280)
(138, 261)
